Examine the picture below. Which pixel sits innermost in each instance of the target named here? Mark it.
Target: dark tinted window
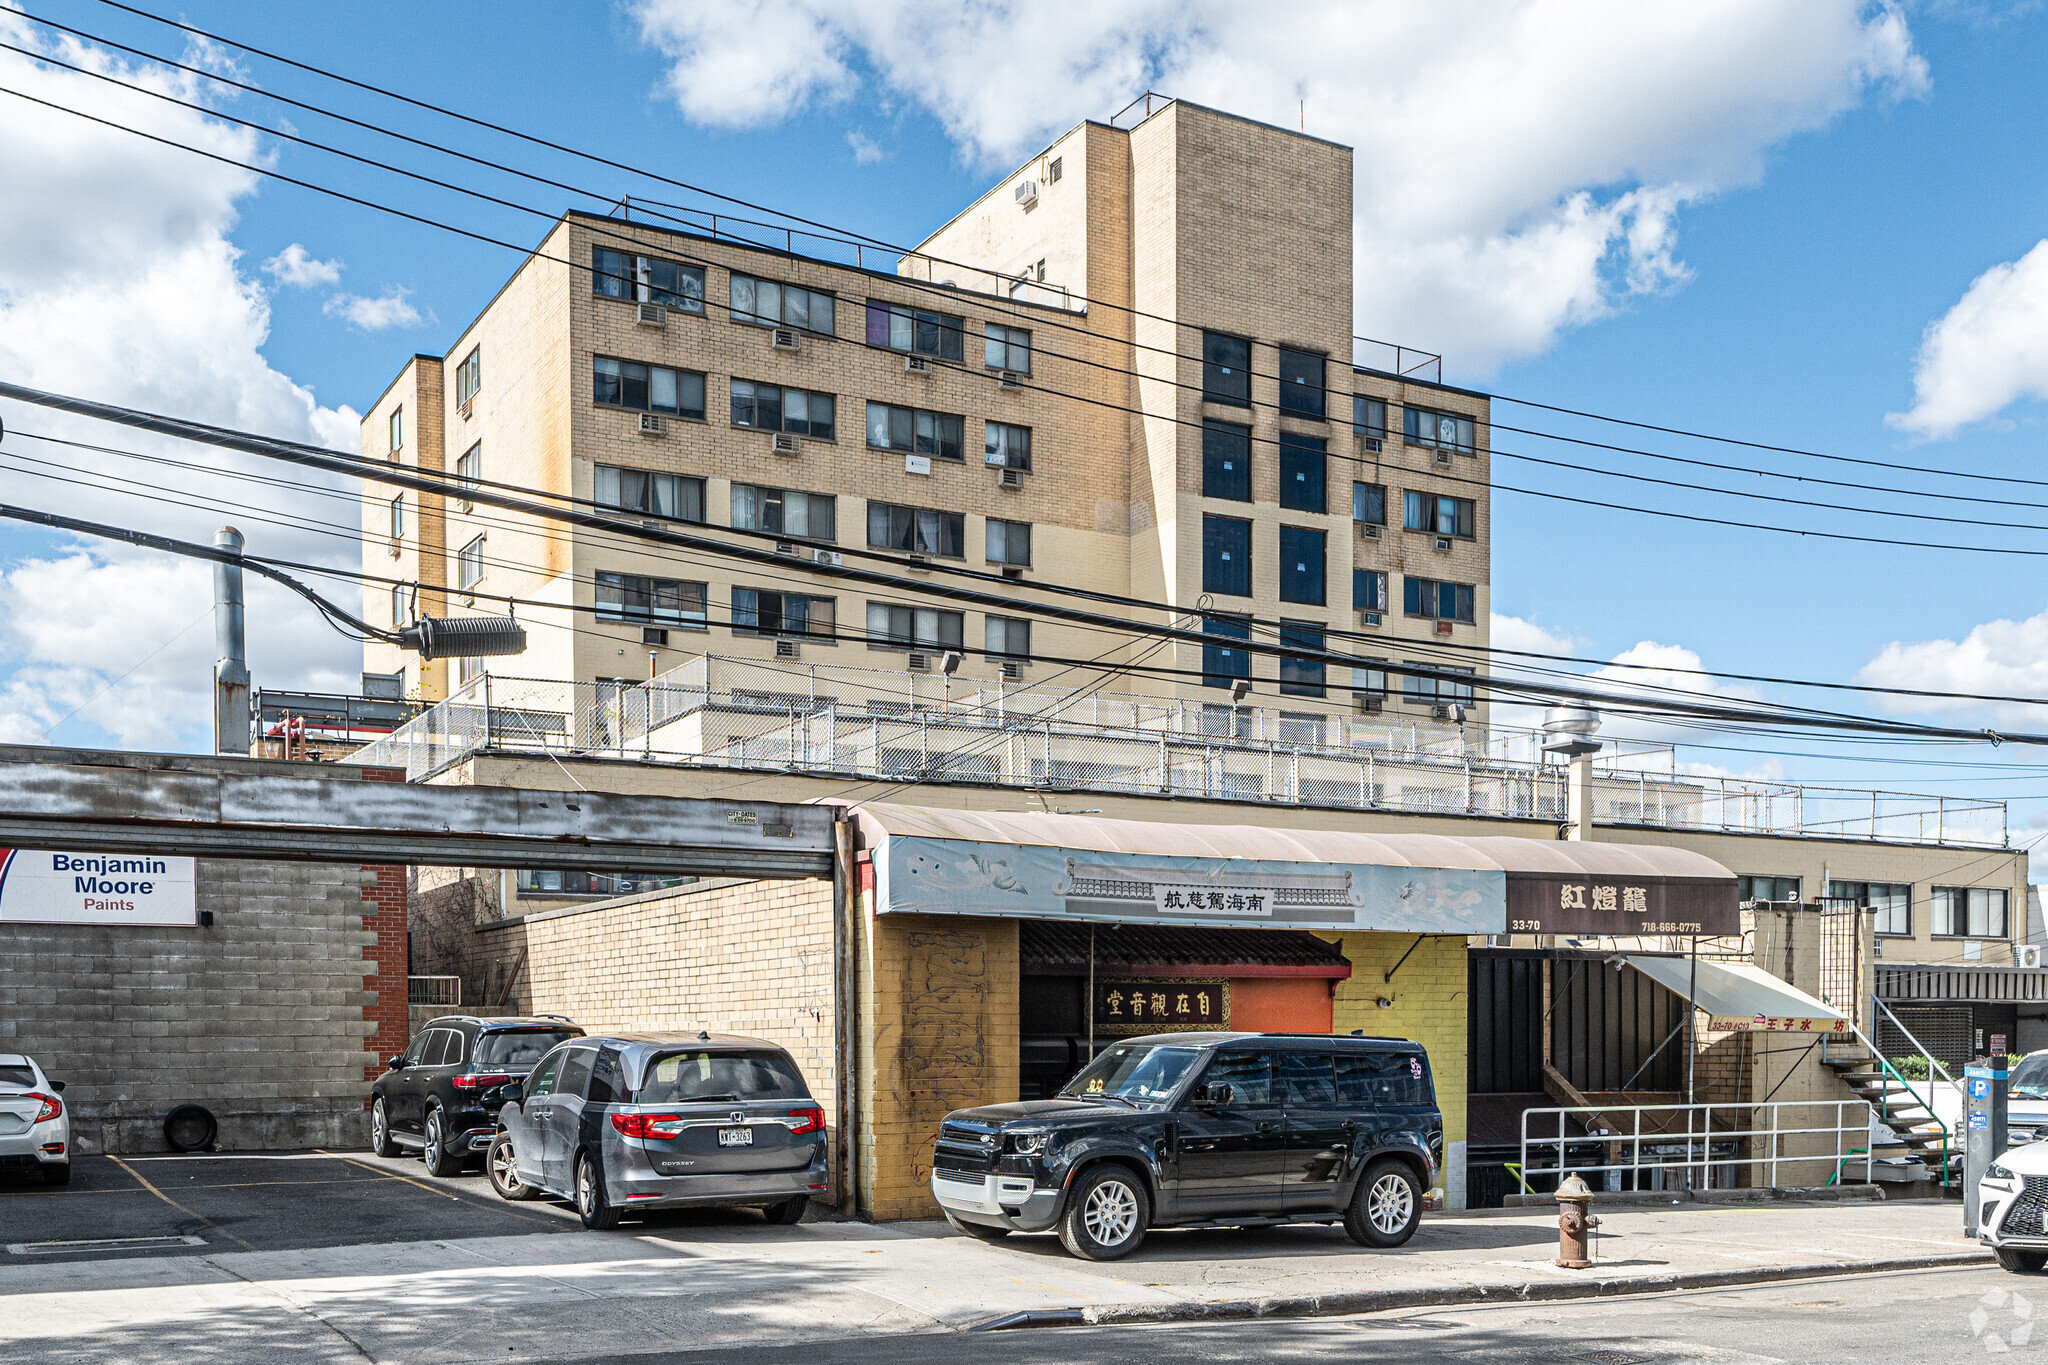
(1248, 1074)
(607, 1077)
(683, 1077)
(1384, 1078)
(1226, 462)
(418, 1049)
(1227, 556)
(1226, 369)
(1301, 382)
(1308, 1078)
(542, 1082)
(1303, 485)
(1222, 665)
(518, 1046)
(575, 1071)
(453, 1048)
(1301, 566)
(12, 1074)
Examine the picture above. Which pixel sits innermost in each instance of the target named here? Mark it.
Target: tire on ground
(1387, 1205)
(592, 1207)
(1107, 1214)
(439, 1160)
(503, 1170)
(2022, 1262)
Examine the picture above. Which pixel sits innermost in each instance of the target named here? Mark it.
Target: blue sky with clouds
(1806, 224)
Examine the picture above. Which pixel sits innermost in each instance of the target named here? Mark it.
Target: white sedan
(35, 1127)
(2012, 1206)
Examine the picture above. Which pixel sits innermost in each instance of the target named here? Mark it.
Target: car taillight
(52, 1106)
(648, 1125)
(484, 1082)
(806, 1121)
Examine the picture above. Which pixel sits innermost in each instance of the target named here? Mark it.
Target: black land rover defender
(1208, 1130)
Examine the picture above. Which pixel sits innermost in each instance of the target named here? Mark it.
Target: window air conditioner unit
(1368, 531)
(1368, 618)
(653, 424)
(830, 557)
(1013, 671)
(917, 563)
(916, 364)
(1013, 571)
(653, 635)
(2026, 955)
(1443, 543)
(1010, 478)
(1371, 706)
(1441, 711)
(464, 410)
(788, 649)
(1010, 379)
(919, 663)
(1371, 444)
(1443, 627)
(783, 338)
(1442, 459)
(786, 444)
(652, 315)
(1027, 193)
(783, 547)
(393, 548)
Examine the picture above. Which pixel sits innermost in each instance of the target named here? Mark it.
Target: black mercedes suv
(441, 1096)
(1203, 1130)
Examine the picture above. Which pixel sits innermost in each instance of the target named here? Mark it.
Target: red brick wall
(385, 916)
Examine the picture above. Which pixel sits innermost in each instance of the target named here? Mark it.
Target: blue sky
(1742, 219)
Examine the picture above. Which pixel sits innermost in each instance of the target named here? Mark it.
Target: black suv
(442, 1095)
(1203, 1130)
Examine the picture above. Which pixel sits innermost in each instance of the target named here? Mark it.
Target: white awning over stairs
(1741, 994)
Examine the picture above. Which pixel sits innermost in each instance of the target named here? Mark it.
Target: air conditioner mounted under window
(784, 339)
(1443, 543)
(788, 649)
(1442, 459)
(1368, 531)
(919, 663)
(916, 364)
(653, 424)
(652, 315)
(1013, 671)
(1009, 379)
(786, 444)
(1027, 193)
(1368, 618)
(1010, 478)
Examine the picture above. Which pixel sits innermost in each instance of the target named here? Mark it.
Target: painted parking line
(496, 1206)
(138, 1177)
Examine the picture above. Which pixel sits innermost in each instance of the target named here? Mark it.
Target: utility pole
(231, 655)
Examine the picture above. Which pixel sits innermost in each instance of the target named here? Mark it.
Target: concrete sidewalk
(737, 1281)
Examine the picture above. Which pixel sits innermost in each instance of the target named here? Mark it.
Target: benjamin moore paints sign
(88, 888)
(970, 877)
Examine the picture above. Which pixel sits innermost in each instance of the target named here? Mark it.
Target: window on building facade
(1303, 383)
(1438, 514)
(401, 604)
(917, 530)
(1892, 902)
(1223, 663)
(1301, 566)
(647, 388)
(915, 432)
(1370, 682)
(771, 407)
(1009, 636)
(658, 601)
(784, 513)
(894, 627)
(1009, 542)
(1007, 348)
(646, 279)
(1369, 416)
(1434, 689)
(650, 494)
(1304, 482)
(1226, 461)
(1970, 912)
(1301, 677)
(398, 517)
(469, 376)
(1369, 503)
(1437, 601)
(468, 668)
(469, 564)
(1439, 430)
(1368, 590)
(765, 303)
(757, 611)
(397, 431)
(1227, 556)
(903, 328)
(1783, 890)
(1226, 369)
(1006, 445)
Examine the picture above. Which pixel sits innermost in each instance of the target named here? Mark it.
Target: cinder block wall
(261, 1017)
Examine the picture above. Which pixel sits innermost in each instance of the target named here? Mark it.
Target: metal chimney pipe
(231, 655)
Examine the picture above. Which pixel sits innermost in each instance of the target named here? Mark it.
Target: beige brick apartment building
(1127, 368)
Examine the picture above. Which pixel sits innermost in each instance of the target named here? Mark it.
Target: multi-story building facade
(1128, 368)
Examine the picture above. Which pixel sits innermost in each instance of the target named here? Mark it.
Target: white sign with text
(92, 888)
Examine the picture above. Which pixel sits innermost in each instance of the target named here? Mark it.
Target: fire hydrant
(1574, 1223)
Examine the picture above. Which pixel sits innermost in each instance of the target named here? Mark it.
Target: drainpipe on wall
(231, 660)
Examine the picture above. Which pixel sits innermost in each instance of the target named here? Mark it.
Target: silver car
(662, 1120)
(35, 1125)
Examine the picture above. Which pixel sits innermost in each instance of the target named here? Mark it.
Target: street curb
(1382, 1300)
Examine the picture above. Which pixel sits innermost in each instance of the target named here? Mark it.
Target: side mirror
(57, 1086)
(396, 1063)
(514, 1092)
(1215, 1093)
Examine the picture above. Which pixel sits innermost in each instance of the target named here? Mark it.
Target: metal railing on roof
(843, 722)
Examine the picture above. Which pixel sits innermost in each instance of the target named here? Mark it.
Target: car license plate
(735, 1137)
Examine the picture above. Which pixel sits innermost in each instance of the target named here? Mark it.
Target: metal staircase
(1896, 1101)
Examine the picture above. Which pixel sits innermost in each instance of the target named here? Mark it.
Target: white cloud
(1512, 632)
(297, 268)
(1984, 354)
(1520, 163)
(389, 309)
(866, 151)
(1998, 658)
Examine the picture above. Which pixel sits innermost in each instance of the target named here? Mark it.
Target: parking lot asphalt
(267, 1201)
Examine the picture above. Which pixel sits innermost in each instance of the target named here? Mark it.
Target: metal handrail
(1933, 1065)
(1699, 1142)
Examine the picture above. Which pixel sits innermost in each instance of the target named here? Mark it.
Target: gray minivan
(627, 1120)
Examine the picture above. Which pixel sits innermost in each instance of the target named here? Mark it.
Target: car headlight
(1027, 1144)
(1998, 1172)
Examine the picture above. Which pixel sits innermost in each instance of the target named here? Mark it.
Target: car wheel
(980, 1231)
(436, 1156)
(789, 1212)
(380, 1131)
(1386, 1207)
(2022, 1262)
(591, 1205)
(59, 1173)
(503, 1166)
(1107, 1216)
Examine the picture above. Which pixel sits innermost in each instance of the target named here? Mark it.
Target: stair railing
(1934, 1067)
